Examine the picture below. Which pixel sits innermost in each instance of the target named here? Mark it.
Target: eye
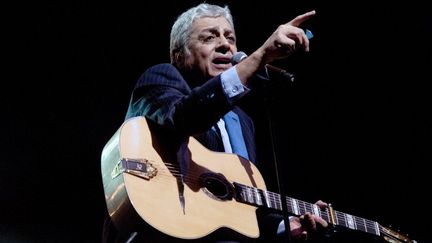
(209, 38)
(231, 38)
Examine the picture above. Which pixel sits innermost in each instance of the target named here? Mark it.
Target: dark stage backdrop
(355, 129)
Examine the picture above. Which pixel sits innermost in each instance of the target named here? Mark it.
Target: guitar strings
(360, 223)
(274, 198)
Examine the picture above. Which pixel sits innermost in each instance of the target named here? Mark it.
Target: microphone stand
(279, 174)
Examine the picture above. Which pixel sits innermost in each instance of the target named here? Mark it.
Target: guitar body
(188, 205)
(155, 181)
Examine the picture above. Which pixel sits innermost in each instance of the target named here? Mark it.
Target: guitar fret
(266, 197)
(256, 196)
(242, 195)
(278, 203)
(336, 219)
(372, 227)
(360, 223)
(299, 207)
(249, 195)
(350, 221)
(376, 228)
(309, 207)
(324, 214)
(302, 207)
(271, 200)
(242, 192)
(357, 223)
(295, 207)
(315, 210)
(365, 225)
(340, 219)
(289, 204)
(253, 195)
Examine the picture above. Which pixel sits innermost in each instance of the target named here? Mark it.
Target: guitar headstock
(392, 236)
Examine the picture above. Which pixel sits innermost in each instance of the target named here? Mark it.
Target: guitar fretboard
(262, 198)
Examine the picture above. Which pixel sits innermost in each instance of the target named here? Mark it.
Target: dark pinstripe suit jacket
(163, 96)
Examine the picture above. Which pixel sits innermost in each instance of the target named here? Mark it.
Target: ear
(178, 58)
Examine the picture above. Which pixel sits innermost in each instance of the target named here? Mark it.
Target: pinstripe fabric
(162, 95)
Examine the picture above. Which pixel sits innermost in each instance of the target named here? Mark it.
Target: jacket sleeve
(162, 95)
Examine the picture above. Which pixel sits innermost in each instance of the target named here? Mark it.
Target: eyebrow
(216, 29)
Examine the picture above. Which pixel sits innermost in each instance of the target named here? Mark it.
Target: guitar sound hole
(217, 186)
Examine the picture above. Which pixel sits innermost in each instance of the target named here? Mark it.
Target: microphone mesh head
(238, 57)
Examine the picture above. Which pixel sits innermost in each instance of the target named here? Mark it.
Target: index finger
(301, 18)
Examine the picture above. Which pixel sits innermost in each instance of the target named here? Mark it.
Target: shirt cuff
(231, 83)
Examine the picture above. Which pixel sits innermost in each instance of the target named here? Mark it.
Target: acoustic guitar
(182, 189)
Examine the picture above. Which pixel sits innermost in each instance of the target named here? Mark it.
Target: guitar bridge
(138, 167)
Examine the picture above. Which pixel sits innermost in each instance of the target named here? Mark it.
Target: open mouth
(222, 62)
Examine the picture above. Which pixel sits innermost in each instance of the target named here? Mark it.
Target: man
(192, 94)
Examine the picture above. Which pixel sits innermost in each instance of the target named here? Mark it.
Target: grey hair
(180, 31)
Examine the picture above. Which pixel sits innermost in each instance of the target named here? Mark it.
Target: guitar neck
(262, 198)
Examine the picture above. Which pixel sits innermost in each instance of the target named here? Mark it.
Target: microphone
(239, 56)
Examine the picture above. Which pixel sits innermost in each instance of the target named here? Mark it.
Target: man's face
(212, 44)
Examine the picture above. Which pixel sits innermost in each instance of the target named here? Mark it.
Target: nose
(224, 45)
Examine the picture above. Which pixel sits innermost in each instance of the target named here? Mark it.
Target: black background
(355, 128)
